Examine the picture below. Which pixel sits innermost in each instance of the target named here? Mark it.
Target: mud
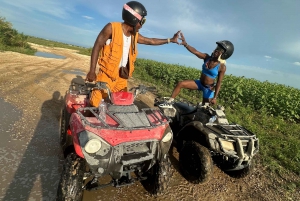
(31, 97)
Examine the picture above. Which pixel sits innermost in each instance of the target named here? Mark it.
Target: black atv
(203, 135)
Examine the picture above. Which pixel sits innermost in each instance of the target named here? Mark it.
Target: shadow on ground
(38, 173)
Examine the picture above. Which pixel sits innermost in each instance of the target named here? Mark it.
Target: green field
(268, 110)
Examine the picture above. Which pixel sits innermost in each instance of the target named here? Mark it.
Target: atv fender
(196, 131)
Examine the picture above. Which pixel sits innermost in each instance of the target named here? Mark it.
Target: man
(117, 46)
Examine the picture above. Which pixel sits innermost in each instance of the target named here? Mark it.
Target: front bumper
(122, 158)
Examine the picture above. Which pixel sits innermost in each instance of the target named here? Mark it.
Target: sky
(265, 34)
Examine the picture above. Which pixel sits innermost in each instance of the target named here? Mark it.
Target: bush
(11, 40)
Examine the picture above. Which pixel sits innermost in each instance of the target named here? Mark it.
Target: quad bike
(203, 135)
(130, 145)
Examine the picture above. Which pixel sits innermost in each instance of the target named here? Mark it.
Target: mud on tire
(71, 181)
(64, 124)
(195, 162)
(158, 177)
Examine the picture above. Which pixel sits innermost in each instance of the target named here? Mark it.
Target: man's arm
(104, 35)
(156, 41)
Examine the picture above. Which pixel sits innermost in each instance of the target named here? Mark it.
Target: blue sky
(266, 34)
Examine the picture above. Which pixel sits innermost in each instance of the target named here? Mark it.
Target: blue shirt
(212, 73)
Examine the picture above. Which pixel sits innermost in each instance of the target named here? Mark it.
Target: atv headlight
(227, 145)
(92, 146)
(167, 137)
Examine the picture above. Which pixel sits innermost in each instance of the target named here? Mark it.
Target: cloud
(297, 63)
(191, 17)
(55, 8)
(152, 34)
(291, 48)
(268, 58)
(263, 74)
(111, 10)
(87, 17)
(272, 59)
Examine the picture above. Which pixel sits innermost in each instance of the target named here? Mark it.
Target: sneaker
(166, 105)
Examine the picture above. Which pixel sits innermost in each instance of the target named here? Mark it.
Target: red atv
(130, 145)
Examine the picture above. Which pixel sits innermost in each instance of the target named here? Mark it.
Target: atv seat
(185, 108)
(122, 98)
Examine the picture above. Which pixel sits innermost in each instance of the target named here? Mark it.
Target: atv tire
(64, 124)
(71, 181)
(195, 162)
(158, 176)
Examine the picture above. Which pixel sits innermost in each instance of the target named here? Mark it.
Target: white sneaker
(166, 105)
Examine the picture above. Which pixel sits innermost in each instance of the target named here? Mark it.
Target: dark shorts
(207, 92)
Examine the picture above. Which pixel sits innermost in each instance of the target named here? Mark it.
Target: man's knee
(96, 97)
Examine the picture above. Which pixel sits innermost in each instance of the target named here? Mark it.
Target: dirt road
(31, 94)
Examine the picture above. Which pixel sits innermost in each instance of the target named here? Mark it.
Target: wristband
(186, 45)
(168, 40)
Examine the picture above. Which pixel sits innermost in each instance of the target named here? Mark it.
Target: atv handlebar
(206, 106)
(141, 89)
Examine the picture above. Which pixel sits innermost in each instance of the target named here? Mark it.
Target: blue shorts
(207, 92)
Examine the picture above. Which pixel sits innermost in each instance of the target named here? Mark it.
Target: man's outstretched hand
(175, 37)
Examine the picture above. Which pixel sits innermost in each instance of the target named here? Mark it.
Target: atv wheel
(195, 162)
(158, 176)
(243, 172)
(71, 181)
(64, 124)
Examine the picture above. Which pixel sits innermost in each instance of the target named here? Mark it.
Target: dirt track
(31, 93)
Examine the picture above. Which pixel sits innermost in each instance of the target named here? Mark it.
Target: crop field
(279, 100)
(269, 110)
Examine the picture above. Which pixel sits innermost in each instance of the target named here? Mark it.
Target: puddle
(9, 115)
(48, 55)
(75, 72)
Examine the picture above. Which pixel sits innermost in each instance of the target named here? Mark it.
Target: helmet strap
(221, 60)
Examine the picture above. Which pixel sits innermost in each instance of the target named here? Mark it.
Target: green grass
(12, 40)
(279, 140)
(49, 43)
(29, 51)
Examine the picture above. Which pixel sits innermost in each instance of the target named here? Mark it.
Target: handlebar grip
(151, 89)
(143, 88)
(90, 84)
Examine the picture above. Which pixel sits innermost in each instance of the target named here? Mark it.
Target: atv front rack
(230, 130)
(246, 143)
(132, 119)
